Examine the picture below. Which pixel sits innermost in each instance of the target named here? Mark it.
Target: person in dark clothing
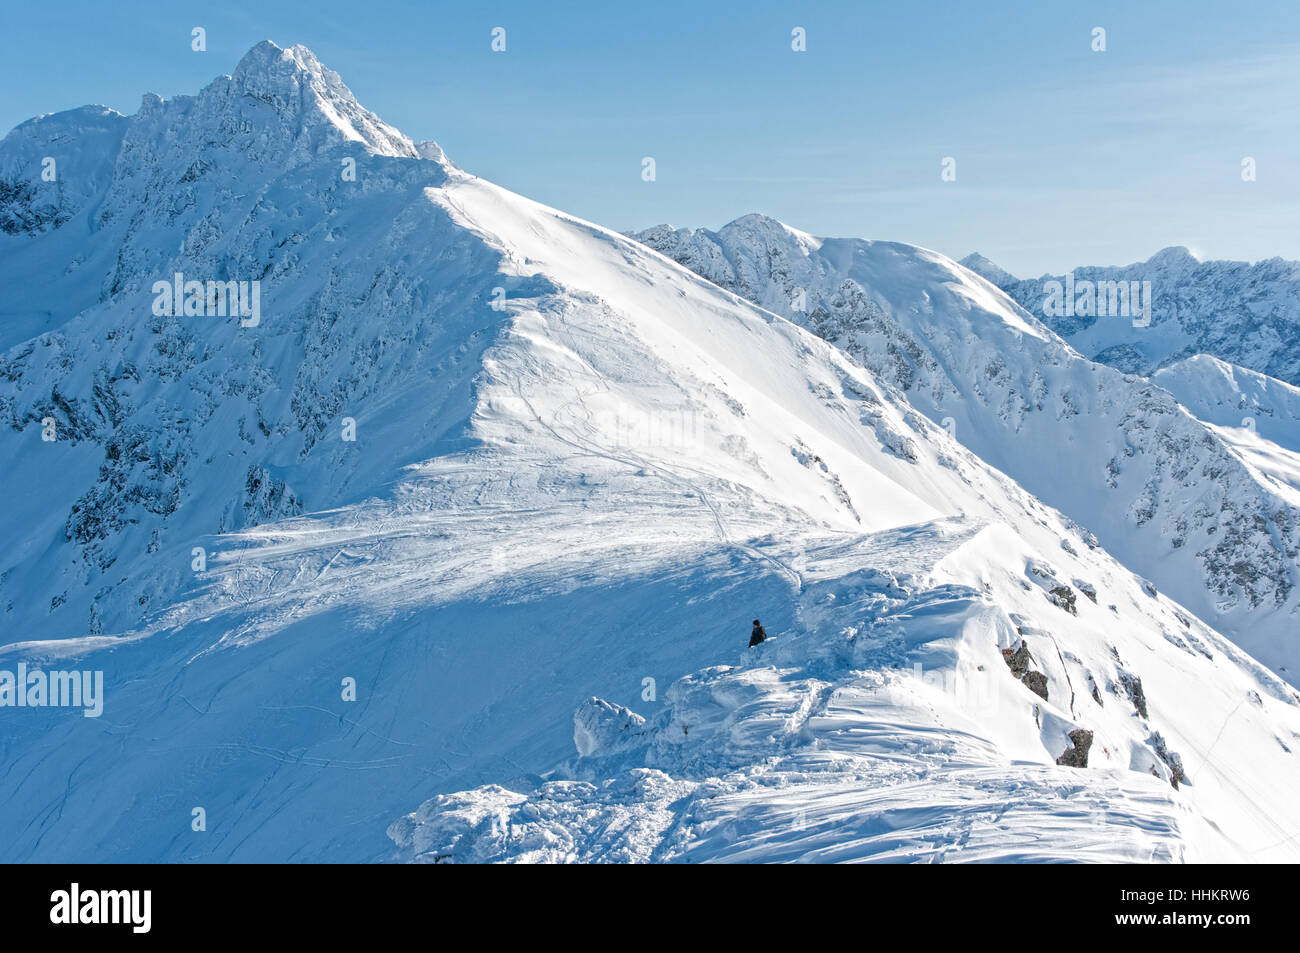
(758, 635)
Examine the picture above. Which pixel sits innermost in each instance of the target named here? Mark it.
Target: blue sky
(1064, 156)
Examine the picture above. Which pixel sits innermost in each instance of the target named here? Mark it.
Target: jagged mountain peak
(760, 221)
(295, 82)
(280, 113)
(268, 58)
(268, 71)
(765, 224)
(269, 67)
(280, 109)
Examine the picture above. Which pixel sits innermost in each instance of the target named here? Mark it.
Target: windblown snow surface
(579, 471)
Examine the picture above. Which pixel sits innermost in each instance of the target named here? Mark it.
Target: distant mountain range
(1242, 313)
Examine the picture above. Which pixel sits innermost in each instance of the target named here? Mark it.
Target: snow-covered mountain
(1243, 313)
(53, 166)
(464, 462)
(1161, 490)
(1257, 414)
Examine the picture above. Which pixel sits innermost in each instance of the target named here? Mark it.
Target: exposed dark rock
(1133, 685)
(1076, 756)
(1036, 682)
(1018, 660)
(1096, 693)
(267, 498)
(1175, 763)
(1063, 596)
(23, 213)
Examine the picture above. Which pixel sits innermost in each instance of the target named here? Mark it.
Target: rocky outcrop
(1177, 775)
(1019, 661)
(1036, 682)
(601, 728)
(1076, 756)
(1063, 597)
(1133, 688)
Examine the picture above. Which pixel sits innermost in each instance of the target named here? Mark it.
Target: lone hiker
(758, 635)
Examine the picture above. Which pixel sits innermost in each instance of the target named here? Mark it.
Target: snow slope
(884, 725)
(578, 469)
(1257, 414)
(1162, 491)
(72, 155)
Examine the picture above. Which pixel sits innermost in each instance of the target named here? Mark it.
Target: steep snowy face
(189, 166)
(1243, 313)
(454, 462)
(314, 107)
(1162, 491)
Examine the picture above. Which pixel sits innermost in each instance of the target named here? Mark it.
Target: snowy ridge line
(481, 462)
(1179, 501)
(625, 761)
